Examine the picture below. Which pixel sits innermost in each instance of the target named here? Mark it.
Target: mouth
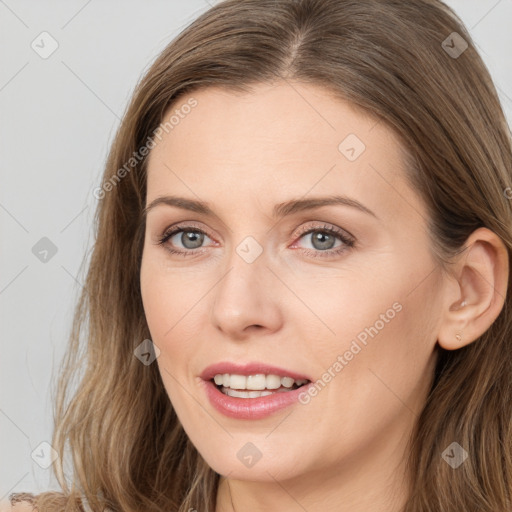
(252, 390)
(255, 386)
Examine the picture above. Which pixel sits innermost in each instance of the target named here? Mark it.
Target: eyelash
(348, 242)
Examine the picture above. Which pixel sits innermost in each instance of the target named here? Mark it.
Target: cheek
(168, 301)
(168, 305)
(351, 306)
(387, 357)
(376, 371)
(169, 296)
(380, 324)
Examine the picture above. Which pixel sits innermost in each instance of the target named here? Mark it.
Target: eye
(187, 240)
(323, 240)
(188, 237)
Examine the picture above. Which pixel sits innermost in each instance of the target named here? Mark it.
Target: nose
(247, 297)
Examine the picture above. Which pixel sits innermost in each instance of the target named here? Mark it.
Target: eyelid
(347, 239)
(302, 230)
(185, 226)
(327, 227)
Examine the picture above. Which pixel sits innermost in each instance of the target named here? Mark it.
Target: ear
(476, 293)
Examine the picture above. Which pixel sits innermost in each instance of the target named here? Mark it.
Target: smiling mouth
(255, 386)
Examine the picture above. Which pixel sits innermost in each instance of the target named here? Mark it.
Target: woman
(297, 298)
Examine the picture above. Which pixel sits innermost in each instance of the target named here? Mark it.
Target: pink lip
(250, 408)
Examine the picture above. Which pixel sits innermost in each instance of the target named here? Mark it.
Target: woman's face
(268, 281)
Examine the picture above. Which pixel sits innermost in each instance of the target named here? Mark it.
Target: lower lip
(251, 408)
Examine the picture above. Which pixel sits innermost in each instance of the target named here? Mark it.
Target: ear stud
(458, 337)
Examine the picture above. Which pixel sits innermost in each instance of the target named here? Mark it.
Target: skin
(5, 506)
(243, 153)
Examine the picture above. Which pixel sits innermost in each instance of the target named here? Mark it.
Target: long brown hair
(401, 62)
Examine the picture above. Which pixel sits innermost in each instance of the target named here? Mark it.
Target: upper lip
(252, 368)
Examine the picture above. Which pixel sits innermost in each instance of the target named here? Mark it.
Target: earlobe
(476, 294)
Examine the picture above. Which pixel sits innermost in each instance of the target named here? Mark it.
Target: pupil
(192, 237)
(319, 236)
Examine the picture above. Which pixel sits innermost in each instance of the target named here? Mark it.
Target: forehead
(276, 142)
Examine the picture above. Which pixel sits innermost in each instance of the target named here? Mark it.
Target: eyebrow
(280, 210)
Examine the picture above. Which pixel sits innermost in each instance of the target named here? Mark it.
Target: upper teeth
(256, 382)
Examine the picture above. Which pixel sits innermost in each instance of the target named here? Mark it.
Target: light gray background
(58, 117)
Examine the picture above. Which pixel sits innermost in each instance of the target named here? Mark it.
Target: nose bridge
(244, 297)
(246, 266)
(249, 250)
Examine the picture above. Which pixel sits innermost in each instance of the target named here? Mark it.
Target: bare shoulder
(20, 506)
(19, 502)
